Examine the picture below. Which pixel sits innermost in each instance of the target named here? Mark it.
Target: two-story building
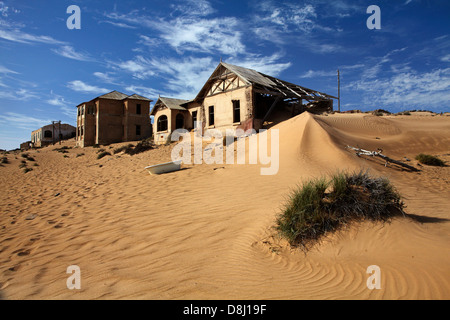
(113, 117)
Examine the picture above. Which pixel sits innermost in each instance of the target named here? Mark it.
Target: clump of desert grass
(430, 160)
(141, 146)
(27, 156)
(324, 205)
(125, 149)
(103, 154)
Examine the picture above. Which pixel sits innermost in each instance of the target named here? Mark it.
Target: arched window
(162, 123)
(48, 134)
(179, 121)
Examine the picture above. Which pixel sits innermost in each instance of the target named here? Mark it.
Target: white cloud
(220, 35)
(191, 31)
(185, 77)
(80, 86)
(139, 67)
(18, 94)
(17, 35)
(105, 77)
(194, 8)
(118, 24)
(318, 73)
(69, 52)
(6, 70)
(407, 89)
(144, 91)
(21, 121)
(289, 17)
(446, 58)
(269, 65)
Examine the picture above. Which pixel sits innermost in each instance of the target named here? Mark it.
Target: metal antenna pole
(339, 90)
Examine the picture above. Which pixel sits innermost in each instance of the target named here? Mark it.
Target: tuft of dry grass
(430, 160)
(321, 205)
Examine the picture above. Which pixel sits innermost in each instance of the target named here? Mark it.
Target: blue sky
(170, 48)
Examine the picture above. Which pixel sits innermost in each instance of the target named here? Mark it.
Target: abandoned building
(236, 97)
(169, 115)
(51, 134)
(26, 145)
(113, 117)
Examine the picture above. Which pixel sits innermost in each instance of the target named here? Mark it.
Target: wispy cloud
(5, 10)
(145, 91)
(270, 65)
(5, 70)
(118, 24)
(191, 31)
(446, 58)
(70, 53)
(220, 35)
(287, 16)
(105, 77)
(18, 94)
(318, 73)
(80, 86)
(17, 35)
(411, 89)
(194, 8)
(140, 67)
(22, 121)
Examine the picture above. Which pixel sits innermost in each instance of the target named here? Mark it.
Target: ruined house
(236, 97)
(169, 115)
(113, 117)
(51, 134)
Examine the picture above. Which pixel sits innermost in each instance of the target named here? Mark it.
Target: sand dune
(205, 232)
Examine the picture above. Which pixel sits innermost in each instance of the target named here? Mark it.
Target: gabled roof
(265, 83)
(113, 95)
(171, 103)
(137, 97)
(116, 95)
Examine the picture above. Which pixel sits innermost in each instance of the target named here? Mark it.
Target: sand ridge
(205, 232)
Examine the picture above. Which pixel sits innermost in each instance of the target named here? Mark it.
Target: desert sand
(206, 232)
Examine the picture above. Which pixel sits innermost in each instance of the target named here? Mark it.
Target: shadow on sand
(426, 219)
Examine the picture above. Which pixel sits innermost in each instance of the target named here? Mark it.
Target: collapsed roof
(263, 84)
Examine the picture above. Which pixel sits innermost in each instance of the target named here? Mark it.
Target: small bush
(101, 150)
(103, 154)
(430, 160)
(80, 154)
(142, 146)
(4, 160)
(127, 148)
(321, 205)
(23, 165)
(62, 149)
(26, 170)
(24, 155)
